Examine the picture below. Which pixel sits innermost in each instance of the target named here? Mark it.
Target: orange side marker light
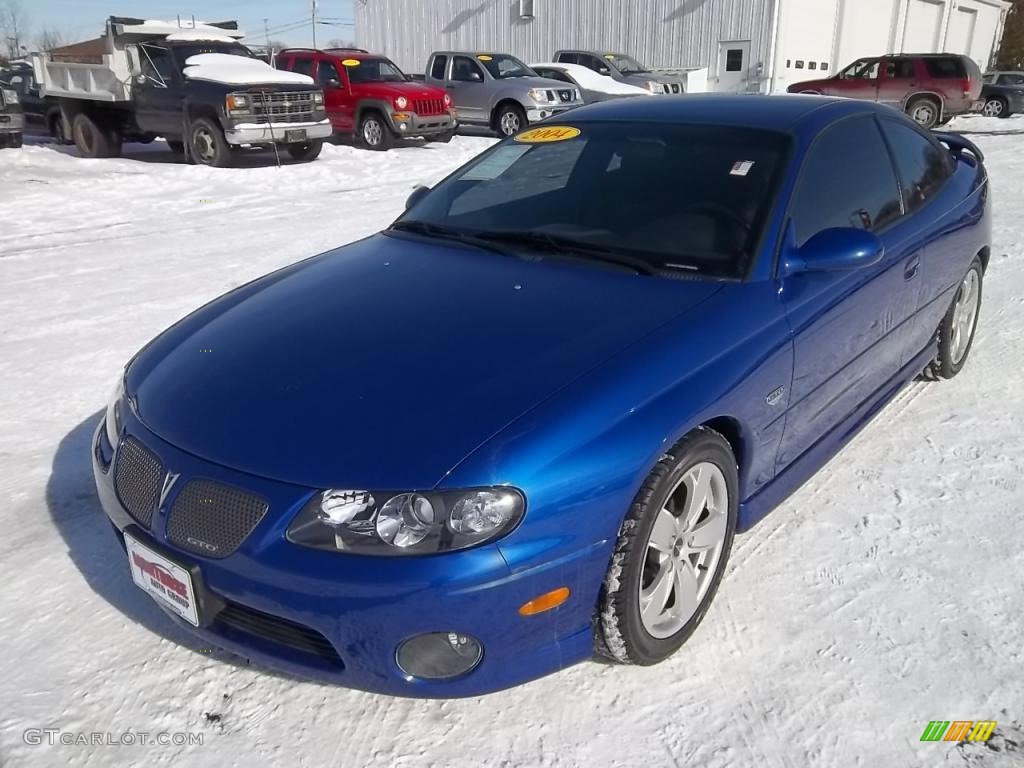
(545, 602)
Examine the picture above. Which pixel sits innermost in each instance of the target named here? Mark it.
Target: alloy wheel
(204, 145)
(510, 123)
(373, 132)
(684, 550)
(965, 314)
(993, 108)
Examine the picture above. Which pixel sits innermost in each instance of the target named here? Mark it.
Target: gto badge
(199, 544)
(775, 396)
(169, 480)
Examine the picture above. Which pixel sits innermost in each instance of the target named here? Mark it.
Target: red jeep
(932, 88)
(367, 96)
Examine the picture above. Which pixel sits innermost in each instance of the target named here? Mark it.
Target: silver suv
(498, 90)
(622, 67)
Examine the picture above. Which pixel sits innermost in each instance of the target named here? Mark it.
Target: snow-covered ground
(888, 592)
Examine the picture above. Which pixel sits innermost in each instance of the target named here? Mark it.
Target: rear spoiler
(958, 144)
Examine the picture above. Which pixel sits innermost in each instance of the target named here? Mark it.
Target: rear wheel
(92, 140)
(374, 132)
(17, 139)
(671, 552)
(956, 333)
(996, 106)
(304, 153)
(510, 120)
(208, 145)
(924, 111)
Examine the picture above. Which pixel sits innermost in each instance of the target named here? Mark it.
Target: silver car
(621, 67)
(498, 90)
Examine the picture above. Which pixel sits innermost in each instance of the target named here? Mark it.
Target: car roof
(778, 113)
(343, 53)
(471, 54)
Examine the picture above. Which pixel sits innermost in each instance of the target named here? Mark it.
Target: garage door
(961, 31)
(924, 21)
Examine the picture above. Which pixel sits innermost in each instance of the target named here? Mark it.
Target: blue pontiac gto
(525, 422)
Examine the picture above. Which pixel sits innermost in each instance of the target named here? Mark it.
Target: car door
(849, 327)
(857, 81)
(157, 94)
(468, 89)
(897, 79)
(924, 166)
(338, 98)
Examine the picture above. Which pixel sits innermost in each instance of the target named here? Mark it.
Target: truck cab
(12, 119)
(368, 97)
(498, 90)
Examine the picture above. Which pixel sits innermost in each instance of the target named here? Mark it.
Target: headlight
(318, 98)
(10, 97)
(238, 103)
(401, 102)
(406, 523)
(112, 421)
(655, 87)
(447, 100)
(542, 96)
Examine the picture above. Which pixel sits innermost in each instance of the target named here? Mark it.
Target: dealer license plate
(299, 134)
(165, 581)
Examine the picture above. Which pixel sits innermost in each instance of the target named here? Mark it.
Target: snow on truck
(193, 84)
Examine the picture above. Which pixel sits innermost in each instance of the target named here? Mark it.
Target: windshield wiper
(557, 243)
(447, 233)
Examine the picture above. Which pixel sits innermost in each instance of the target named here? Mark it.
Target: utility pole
(313, 19)
(266, 32)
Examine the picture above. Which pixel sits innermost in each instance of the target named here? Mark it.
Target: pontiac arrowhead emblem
(169, 480)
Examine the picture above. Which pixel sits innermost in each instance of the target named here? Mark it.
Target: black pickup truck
(194, 85)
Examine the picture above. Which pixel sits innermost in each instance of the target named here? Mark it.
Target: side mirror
(134, 62)
(839, 248)
(417, 195)
(604, 71)
(476, 77)
(334, 83)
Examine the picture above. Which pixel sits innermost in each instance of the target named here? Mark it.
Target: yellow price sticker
(548, 133)
(485, 57)
(351, 62)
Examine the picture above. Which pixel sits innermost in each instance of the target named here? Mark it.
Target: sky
(82, 19)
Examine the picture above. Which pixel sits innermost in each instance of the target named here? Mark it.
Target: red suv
(367, 96)
(932, 88)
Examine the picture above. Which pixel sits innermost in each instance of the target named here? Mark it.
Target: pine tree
(1011, 52)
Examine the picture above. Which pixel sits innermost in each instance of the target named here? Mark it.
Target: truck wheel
(16, 140)
(208, 145)
(510, 120)
(375, 133)
(91, 140)
(925, 112)
(305, 153)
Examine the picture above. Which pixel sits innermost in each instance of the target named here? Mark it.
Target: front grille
(278, 630)
(428, 106)
(565, 95)
(211, 519)
(290, 107)
(137, 480)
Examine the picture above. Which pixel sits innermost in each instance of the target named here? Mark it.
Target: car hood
(410, 89)
(385, 363)
(537, 82)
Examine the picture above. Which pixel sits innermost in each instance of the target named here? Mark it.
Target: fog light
(439, 655)
(402, 126)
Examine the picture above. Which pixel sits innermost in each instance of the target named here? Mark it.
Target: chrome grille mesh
(288, 107)
(137, 480)
(211, 519)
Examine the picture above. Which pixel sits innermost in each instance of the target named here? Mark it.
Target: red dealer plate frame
(164, 580)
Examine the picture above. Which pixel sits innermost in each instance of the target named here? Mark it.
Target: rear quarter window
(945, 68)
(438, 66)
(923, 164)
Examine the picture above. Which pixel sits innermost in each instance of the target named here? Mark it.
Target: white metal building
(747, 45)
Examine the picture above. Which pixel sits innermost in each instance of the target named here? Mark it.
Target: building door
(733, 66)
(960, 38)
(923, 23)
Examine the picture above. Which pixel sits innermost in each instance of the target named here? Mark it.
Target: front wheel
(208, 145)
(304, 153)
(956, 332)
(375, 133)
(17, 139)
(995, 107)
(510, 120)
(671, 552)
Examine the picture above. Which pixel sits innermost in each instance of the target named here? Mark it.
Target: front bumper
(12, 122)
(413, 124)
(360, 609)
(251, 133)
(535, 114)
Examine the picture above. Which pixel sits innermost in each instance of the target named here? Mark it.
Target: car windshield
(378, 70)
(502, 66)
(688, 199)
(627, 65)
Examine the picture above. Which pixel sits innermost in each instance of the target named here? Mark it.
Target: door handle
(912, 268)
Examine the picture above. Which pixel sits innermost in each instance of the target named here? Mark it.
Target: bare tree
(49, 38)
(337, 42)
(13, 28)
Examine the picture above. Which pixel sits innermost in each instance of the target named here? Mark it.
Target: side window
(438, 67)
(1011, 79)
(464, 69)
(555, 74)
(734, 60)
(285, 63)
(569, 58)
(900, 69)
(596, 64)
(156, 63)
(945, 67)
(327, 75)
(847, 180)
(923, 165)
(303, 66)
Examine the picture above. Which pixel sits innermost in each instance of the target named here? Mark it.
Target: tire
(956, 332)
(92, 140)
(305, 153)
(628, 633)
(441, 138)
(17, 139)
(207, 144)
(996, 106)
(374, 132)
(510, 120)
(924, 111)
